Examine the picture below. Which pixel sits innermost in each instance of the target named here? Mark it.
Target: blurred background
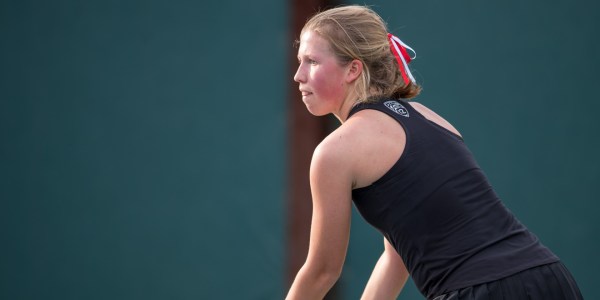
(159, 150)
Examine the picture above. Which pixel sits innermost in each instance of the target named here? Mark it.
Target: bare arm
(388, 277)
(331, 186)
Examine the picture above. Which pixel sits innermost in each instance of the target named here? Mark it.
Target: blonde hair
(357, 32)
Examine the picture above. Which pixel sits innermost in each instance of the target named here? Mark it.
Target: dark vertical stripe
(305, 133)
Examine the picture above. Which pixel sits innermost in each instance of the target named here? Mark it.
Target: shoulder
(361, 149)
(331, 168)
(348, 140)
(340, 148)
(434, 117)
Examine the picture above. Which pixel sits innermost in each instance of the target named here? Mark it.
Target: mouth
(305, 93)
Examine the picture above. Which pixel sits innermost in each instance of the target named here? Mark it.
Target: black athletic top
(436, 207)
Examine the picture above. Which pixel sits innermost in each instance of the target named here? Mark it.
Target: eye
(307, 60)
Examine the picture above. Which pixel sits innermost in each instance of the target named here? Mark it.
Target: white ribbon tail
(402, 57)
(395, 38)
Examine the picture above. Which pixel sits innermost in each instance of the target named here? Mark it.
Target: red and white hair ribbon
(399, 50)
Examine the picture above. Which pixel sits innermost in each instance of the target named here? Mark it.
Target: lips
(305, 93)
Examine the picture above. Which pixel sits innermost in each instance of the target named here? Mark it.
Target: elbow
(330, 277)
(324, 276)
(314, 281)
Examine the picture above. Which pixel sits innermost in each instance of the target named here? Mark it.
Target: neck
(345, 107)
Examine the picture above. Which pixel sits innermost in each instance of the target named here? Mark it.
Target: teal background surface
(142, 149)
(519, 80)
(143, 143)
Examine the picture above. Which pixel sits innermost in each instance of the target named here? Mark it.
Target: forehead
(311, 43)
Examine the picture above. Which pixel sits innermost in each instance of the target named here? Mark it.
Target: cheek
(328, 84)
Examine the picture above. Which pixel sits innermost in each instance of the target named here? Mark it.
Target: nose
(299, 76)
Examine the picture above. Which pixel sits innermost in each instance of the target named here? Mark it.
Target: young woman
(409, 174)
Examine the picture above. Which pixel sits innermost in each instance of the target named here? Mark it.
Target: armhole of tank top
(389, 172)
(444, 129)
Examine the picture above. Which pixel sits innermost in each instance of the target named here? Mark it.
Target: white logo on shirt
(396, 107)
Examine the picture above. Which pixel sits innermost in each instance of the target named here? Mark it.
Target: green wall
(142, 143)
(519, 80)
(142, 149)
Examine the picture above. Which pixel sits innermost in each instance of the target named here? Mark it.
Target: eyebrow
(307, 56)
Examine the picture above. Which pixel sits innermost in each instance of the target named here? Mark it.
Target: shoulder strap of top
(397, 109)
(406, 115)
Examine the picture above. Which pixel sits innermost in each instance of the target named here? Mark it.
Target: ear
(355, 69)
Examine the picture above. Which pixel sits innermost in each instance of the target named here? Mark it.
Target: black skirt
(548, 282)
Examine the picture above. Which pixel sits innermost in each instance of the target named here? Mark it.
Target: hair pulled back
(357, 32)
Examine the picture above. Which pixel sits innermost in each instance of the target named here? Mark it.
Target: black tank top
(436, 207)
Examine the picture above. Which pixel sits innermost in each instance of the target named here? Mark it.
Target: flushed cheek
(328, 87)
(330, 93)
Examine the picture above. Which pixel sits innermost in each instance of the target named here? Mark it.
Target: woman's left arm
(331, 188)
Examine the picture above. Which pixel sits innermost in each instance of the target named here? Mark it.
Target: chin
(315, 112)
